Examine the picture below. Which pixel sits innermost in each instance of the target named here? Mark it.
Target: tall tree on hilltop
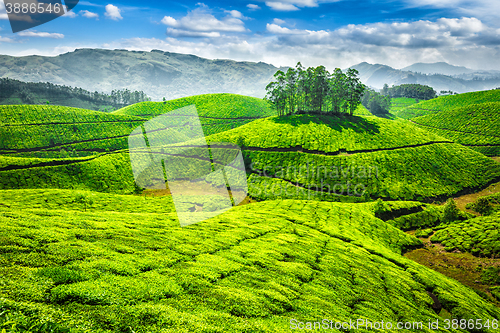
(338, 90)
(355, 89)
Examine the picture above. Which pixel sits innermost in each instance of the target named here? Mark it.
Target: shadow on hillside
(335, 122)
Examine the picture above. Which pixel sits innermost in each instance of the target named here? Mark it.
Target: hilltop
(253, 268)
(446, 103)
(159, 74)
(476, 126)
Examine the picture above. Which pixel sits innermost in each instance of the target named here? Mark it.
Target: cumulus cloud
(252, 6)
(281, 6)
(292, 5)
(6, 40)
(90, 15)
(41, 34)
(70, 14)
(113, 12)
(439, 34)
(235, 13)
(278, 30)
(200, 22)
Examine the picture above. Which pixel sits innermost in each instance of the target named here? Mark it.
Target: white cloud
(291, 5)
(70, 14)
(200, 22)
(90, 15)
(280, 6)
(278, 30)
(486, 10)
(6, 40)
(235, 13)
(186, 33)
(252, 6)
(279, 21)
(113, 12)
(41, 34)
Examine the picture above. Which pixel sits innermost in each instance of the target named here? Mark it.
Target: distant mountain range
(440, 76)
(159, 74)
(172, 75)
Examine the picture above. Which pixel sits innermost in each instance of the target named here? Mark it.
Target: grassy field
(254, 268)
(446, 103)
(477, 126)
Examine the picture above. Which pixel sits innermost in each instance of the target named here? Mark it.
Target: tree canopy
(315, 90)
(376, 103)
(417, 91)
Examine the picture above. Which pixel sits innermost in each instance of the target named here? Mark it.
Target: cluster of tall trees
(417, 91)
(375, 102)
(315, 90)
(34, 93)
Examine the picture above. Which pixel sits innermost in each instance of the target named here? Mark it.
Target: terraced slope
(255, 268)
(52, 146)
(378, 157)
(218, 112)
(478, 236)
(399, 103)
(445, 103)
(476, 126)
(35, 130)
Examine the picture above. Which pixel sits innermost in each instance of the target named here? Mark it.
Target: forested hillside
(18, 92)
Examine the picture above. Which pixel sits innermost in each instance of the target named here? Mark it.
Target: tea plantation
(321, 235)
(477, 126)
(106, 269)
(336, 154)
(478, 236)
(445, 103)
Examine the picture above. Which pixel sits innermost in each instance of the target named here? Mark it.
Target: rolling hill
(260, 267)
(51, 146)
(80, 149)
(476, 126)
(83, 249)
(446, 103)
(391, 159)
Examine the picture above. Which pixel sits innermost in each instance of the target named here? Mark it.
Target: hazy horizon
(334, 33)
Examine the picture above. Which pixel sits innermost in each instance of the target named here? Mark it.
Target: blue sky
(336, 33)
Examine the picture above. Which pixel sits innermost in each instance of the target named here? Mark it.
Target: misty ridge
(171, 75)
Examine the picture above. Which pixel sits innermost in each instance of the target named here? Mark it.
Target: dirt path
(463, 267)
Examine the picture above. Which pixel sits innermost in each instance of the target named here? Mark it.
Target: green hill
(51, 146)
(389, 159)
(446, 103)
(260, 267)
(399, 103)
(476, 126)
(478, 236)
